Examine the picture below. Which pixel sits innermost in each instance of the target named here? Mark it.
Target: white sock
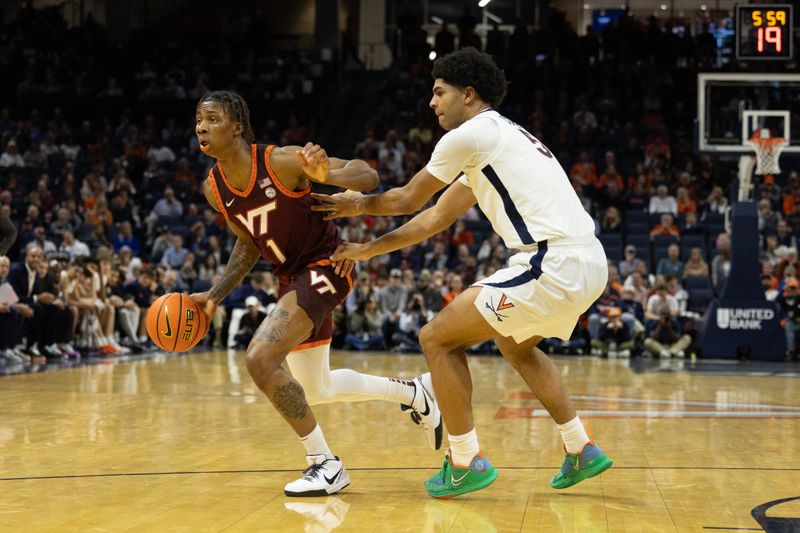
(574, 435)
(345, 385)
(315, 443)
(463, 447)
(401, 390)
(311, 368)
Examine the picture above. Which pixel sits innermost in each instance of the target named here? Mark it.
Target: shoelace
(416, 416)
(443, 472)
(312, 472)
(570, 464)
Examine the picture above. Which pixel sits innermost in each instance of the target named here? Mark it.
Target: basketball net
(768, 151)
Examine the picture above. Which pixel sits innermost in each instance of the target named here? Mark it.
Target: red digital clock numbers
(770, 35)
(764, 31)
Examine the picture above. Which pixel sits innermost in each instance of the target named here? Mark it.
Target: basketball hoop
(768, 151)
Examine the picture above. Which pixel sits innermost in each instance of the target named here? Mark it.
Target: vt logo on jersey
(501, 306)
(259, 213)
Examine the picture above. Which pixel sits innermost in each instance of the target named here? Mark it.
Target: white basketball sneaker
(322, 477)
(425, 410)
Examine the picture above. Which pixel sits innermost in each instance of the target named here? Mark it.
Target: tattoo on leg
(290, 400)
(273, 329)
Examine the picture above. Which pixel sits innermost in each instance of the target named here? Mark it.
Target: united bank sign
(743, 318)
(742, 328)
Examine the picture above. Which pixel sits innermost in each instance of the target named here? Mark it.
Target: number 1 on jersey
(276, 251)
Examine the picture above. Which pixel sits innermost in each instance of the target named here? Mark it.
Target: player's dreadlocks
(235, 106)
(469, 67)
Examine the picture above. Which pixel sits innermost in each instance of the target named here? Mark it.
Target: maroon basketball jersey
(288, 233)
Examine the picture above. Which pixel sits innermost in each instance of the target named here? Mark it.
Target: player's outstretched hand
(343, 204)
(314, 161)
(351, 251)
(202, 300)
(343, 267)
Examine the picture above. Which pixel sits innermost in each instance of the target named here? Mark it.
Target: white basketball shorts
(545, 291)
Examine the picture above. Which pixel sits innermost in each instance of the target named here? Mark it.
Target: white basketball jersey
(519, 184)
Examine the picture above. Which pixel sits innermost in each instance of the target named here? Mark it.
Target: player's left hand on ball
(314, 161)
(351, 251)
(202, 299)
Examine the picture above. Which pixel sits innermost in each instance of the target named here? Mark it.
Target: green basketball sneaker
(453, 480)
(579, 466)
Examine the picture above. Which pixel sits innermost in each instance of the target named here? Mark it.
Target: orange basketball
(175, 323)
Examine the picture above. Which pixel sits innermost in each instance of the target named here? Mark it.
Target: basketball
(175, 323)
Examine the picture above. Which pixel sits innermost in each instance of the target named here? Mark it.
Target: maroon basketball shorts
(319, 290)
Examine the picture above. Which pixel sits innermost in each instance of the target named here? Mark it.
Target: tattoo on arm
(290, 400)
(243, 259)
(273, 328)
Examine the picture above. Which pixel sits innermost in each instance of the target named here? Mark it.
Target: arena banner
(741, 323)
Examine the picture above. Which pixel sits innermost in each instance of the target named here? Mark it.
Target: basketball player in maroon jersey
(264, 194)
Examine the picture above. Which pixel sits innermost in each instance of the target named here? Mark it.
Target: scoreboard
(764, 31)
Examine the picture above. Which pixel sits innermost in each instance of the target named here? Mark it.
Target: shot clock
(764, 31)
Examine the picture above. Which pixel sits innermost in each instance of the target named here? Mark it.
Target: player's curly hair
(235, 107)
(469, 67)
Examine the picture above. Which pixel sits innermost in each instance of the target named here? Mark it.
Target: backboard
(732, 107)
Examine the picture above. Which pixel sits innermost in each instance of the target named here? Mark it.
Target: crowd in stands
(100, 172)
(110, 214)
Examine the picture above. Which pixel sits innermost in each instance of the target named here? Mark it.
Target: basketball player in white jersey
(559, 271)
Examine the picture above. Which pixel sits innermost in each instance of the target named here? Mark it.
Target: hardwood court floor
(188, 444)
